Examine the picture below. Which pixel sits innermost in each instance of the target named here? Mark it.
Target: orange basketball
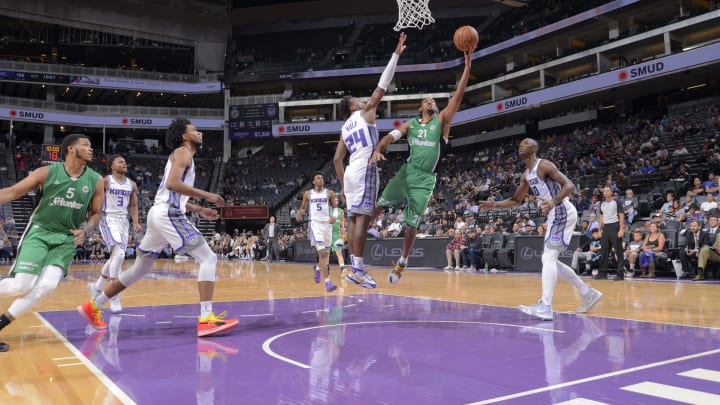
(466, 38)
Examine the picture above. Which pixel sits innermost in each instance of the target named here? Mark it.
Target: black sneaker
(4, 347)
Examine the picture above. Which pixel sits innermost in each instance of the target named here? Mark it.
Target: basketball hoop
(413, 14)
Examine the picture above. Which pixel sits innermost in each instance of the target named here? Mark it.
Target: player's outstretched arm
(385, 79)
(392, 136)
(31, 182)
(448, 113)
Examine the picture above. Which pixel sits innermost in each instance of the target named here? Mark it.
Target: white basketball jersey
(359, 137)
(117, 197)
(543, 189)
(319, 205)
(165, 196)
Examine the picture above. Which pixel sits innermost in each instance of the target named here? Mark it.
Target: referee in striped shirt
(612, 223)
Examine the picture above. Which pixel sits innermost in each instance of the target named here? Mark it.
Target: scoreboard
(252, 121)
(51, 154)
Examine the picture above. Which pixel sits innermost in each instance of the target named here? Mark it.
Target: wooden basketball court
(41, 369)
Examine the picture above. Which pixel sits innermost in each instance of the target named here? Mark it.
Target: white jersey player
(360, 181)
(317, 203)
(120, 199)
(168, 224)
(552, 189)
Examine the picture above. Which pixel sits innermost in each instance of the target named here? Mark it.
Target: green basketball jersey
(425, 143)
(64, 202)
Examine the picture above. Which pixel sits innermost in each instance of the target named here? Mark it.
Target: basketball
(466, 38)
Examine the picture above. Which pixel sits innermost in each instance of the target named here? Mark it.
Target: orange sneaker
(212, 348)
(92, 315)
(212, 324)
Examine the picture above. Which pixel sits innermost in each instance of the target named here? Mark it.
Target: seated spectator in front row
(472, 251)
(708, 254)
(453, 249)
(588, 252)
(652, 249)
(632, 251)
(695, 239)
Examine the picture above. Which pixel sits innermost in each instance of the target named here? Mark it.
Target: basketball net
(413, 14)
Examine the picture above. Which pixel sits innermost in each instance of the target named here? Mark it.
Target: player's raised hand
(401, 43)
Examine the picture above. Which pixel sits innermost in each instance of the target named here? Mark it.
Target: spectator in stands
(395, 228)
(712, 227)
(472, 250)
(629, 205)
(697, 189)
(453, 249)
(667, 207)
(552, 188)
(653, 249)
(585, 228)
(708, 205)
(589, 251)
(695, 240)
(594, 224)
(711, 185)
(428, 137)
(708, 254)
(5, 248)
(632, 251)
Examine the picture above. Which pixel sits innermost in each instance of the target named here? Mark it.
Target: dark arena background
(619, 94)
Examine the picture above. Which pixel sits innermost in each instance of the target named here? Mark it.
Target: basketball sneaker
(396, 272)
(90, 313)
(317, 276)
(589, 300)
(212, 324)
(539, 310)
(4, 347)
(361, 278)
(115, 306)
(213, 348)
(329, 286)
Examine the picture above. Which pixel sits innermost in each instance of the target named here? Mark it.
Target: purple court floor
(385, 349)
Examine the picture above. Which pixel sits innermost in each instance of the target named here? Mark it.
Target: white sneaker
(539, 310)
(115, 306)
(589, 300)
(458, 269)
(465, 267)
(448, 268)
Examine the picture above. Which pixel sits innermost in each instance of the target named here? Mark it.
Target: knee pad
(142, 266)
(49, 279)
(207, 260)
(21, 284)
